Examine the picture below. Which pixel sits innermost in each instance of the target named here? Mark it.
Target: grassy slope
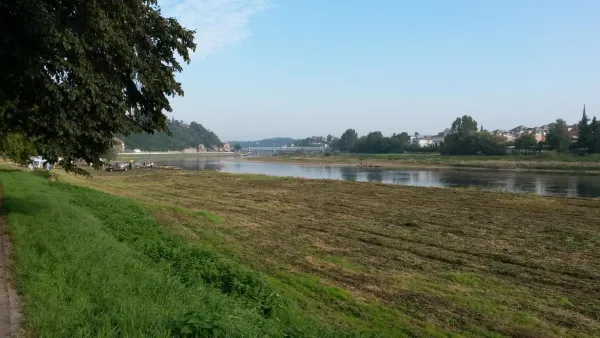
(551, 162)
(394, 260)
(92, 264)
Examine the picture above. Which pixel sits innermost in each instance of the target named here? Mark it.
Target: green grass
(90, 264)
(394, 261)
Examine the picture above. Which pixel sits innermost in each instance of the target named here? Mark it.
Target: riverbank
(535, 163)
(174, 156)
(90, 264)
(394, 261)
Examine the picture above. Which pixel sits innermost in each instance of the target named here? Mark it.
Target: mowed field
(394, 261)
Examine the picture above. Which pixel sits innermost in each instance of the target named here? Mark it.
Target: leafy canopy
(347, 140)
(76, 73)
(18, 147)
(464, 125)
(466, 140)
(558, 137)
(526, 141)
(584, 131)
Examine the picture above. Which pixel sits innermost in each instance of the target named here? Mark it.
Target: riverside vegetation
(543, 162)
(251, 255)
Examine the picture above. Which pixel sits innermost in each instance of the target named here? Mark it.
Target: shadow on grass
(11, 205)
(4, 168)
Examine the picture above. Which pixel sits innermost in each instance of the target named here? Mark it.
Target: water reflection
(538, 183)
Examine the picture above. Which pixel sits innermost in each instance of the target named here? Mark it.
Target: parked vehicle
(118, 166)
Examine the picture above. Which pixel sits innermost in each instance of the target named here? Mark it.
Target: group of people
(151, 165)
(147, 165)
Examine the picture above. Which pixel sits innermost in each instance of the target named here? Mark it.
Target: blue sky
(267, 68)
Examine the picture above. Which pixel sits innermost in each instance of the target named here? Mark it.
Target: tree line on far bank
(465, 138)
(376, 143)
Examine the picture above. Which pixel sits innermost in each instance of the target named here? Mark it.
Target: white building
(425, 142)
(509, 136)
(437, 140)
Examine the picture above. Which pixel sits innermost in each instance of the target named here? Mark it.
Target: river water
(572, 185)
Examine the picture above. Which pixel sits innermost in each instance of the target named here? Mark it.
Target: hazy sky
(266, 68)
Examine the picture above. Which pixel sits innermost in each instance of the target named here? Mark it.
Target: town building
(437, 140)
(508, 136)
(198, 149)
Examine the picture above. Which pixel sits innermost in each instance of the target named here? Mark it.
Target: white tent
(37, 162)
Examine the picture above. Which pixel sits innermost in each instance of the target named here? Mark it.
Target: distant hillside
(270, 142)
(183, 136)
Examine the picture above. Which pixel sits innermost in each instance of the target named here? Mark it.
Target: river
(555, 184)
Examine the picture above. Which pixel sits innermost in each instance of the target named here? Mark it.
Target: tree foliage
(346, 141)
(475, 143)
(558, 137)
(181, 136)
(18, 147)
(464, 125)
(373, 143)
(584, 132)
(237, 147)
(77, 73)
(526, 141)
(594, 145)
(588, 134)
(112, 154)
(466, 140)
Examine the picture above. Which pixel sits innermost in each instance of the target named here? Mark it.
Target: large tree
(595, 140)
(584, 132)
(464, 125)
(465, 139)
(558, 137)
(526, 141)
(76, 73)
(347, 140)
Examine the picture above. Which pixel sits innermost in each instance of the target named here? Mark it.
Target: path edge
(10, 307)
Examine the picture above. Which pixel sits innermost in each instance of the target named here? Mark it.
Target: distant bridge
(285, 149)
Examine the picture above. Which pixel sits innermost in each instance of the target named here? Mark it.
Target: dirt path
(10, 310)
